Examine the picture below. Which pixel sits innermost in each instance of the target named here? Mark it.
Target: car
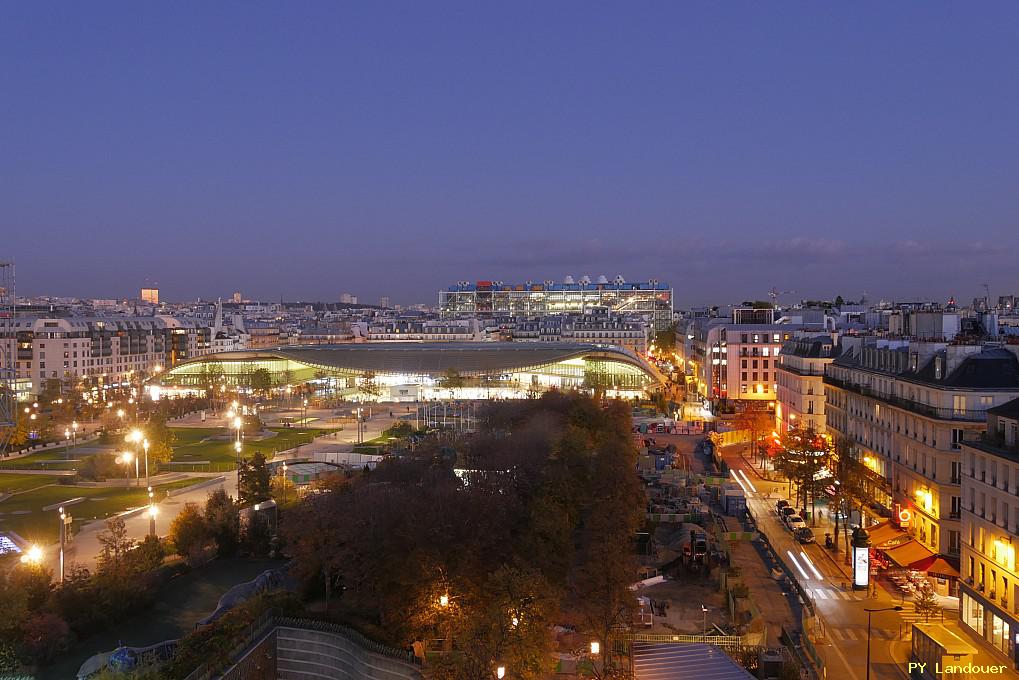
(795, 522)
(785, 512)
(804, 535)
(781, 504)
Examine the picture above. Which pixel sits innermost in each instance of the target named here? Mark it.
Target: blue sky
(392, 148)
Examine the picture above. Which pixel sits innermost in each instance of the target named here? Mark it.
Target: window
(765, 351)
(956, 438)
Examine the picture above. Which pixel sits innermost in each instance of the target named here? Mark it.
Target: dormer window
(938, 368)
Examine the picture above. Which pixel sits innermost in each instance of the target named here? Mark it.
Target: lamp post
(896, 608)
(67, 444)
(145, 446)
(284, 482)
(65, 519)
(304, 413)
(153, 511)
(704, 613)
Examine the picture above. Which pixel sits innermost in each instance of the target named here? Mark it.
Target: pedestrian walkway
(830, 593)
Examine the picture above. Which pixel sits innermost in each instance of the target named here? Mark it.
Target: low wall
(303, 654)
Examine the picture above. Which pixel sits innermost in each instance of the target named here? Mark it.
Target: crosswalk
(907, 617)
(828, 593)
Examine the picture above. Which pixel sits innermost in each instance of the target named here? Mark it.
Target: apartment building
(735, 360)
(799, 388)
(905, 408)
(392, 330)
(100, 351)
(989, 598)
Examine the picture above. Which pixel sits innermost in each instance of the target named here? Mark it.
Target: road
(840, 609)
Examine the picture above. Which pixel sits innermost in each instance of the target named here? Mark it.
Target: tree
(665, 339)
(35, 581)
(115, 546)
(368, 385)
(803, 454)
(261, 381)
(160, 439)
(839, 301)
(188, 531)
(222, 520)
(758, 423)
(253, 480)
(45, 635)
(925, 602)
(452, 381)
(148, 555)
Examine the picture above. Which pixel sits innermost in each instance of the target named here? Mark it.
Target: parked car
(785, 512)
(804, 535)
(795, 522)
(781, 504)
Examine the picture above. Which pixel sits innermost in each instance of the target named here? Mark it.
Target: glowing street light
(500, 672)
(595, 648)
(32, 556)
(443, 600)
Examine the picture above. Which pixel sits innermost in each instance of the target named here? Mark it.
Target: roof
(471, 358)
(908, 553)
(952, 643)
(676, 661)
(1010, 409)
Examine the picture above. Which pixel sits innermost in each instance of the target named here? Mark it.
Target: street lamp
(65, 519)
(126, 459)
(500, 672)
(284, 482)
(32, 556)
(896, 608)
(304, 413)
(145, 446)
(704, 613)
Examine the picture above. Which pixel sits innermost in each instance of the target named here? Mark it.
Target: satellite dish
(585, 280)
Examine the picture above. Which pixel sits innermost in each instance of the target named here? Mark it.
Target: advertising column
(861, 559)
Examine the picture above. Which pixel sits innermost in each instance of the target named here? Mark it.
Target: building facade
(989, 598)
(904, 410)
(485, 299)
(97, 352)
(799, 388)
(599, 327)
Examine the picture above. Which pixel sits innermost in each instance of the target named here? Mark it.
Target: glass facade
(614, 377)
(651, 299)
(985, 622)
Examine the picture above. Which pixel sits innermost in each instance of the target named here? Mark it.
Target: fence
(730, 643)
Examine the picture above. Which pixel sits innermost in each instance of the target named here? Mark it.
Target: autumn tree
(188, 531)
(253, 480)
(926, 603)
(368, 385)
(115, 546)
(261, 381)
(222, 521)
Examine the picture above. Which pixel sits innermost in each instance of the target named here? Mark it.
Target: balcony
(910, 405)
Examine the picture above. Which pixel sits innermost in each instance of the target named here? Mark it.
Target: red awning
(936, 566)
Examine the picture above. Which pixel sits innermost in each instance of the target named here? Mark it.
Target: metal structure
(8, 356)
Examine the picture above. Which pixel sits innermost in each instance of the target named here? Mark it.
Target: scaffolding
(8, 354)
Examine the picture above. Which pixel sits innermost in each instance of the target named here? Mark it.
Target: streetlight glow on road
(32, 556)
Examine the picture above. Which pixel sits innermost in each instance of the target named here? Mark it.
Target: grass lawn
(39, 526)
(13, 483)
(189, 445)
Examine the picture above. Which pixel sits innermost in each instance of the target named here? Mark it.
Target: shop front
(990, 622)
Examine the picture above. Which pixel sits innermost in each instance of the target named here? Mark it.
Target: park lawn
(189, 447)
(41, 526)
(14, 483)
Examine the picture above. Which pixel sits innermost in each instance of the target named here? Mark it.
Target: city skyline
(831, 151)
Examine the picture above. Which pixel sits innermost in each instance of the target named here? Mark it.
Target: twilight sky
(392, 148)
